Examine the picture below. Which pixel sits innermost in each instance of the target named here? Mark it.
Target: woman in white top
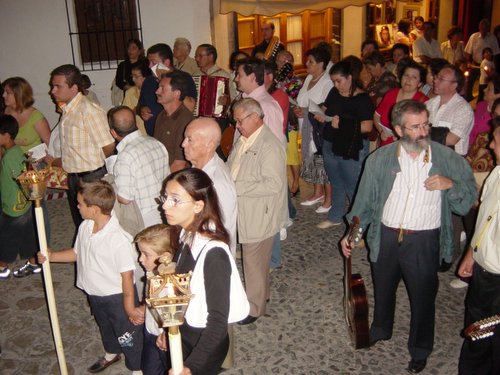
(316, 87)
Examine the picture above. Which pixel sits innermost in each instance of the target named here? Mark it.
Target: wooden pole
(49, 289)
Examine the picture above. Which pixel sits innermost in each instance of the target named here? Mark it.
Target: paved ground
(303, 333)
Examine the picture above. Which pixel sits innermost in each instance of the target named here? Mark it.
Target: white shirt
(101, 258)
(477, 43)
(485, 65)
(218, 171)
(140, 168)
(421, 47)
(409, 199)
(487, 235)
(455, 115)
(450, 54)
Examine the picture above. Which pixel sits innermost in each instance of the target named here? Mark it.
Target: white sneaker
(283, 234)
(328, 224)
(458, 283)
(312, 202)
(322, 210)
(463, 236)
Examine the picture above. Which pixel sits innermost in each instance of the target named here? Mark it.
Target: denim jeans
(276, 252)
(343, 176)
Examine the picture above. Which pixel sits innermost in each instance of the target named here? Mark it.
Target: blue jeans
(343, 176)
(276, 252)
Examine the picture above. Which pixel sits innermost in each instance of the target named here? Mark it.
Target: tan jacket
(261, 188)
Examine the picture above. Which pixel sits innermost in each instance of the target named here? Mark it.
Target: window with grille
(100, 31)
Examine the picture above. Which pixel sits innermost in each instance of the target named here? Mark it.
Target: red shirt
(385, 107)
(284, 103)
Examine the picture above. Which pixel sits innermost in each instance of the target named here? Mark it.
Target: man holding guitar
(482, 263)
(406, 195)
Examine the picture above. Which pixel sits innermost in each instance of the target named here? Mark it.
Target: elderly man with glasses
(405, 198)
(258, 168)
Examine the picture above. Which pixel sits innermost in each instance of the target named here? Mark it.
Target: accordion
(210, 90)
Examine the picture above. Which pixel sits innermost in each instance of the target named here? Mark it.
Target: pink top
(273, 116)
(385, 107)
(481, 118)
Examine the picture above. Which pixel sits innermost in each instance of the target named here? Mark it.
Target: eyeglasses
(170, 201)
(240, 121)
(415, 128)
(440, 78)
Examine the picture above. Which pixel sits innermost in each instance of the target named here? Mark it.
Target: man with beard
(406, 195)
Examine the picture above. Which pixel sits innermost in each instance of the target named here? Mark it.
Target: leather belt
(404, 231)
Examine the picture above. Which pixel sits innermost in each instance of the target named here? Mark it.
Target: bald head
(201, 139)
(122, 121)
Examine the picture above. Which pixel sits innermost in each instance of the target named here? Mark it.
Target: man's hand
(466, 265)
(438, 182)
(346, 247)
(146, 113)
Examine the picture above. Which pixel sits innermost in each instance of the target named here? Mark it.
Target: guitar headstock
(283, 72)
(482, 328)
(355, 231)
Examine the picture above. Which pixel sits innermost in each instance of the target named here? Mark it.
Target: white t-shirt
(101, 258)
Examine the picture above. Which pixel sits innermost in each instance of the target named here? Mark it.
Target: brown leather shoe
(102, 364)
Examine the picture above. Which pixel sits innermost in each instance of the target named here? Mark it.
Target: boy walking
(17, 232)
(105, 259)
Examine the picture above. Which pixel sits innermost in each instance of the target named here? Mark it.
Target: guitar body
(357, 313)
(355, 300)
(226, 142)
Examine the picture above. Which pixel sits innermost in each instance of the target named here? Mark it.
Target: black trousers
(118, 334)
(154, 360)
(73, 180)
(416, 261)
(481, 357)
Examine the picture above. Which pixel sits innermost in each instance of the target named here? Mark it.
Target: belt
(404, 231)
(83, 174)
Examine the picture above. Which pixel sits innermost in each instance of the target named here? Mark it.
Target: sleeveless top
(27, 137)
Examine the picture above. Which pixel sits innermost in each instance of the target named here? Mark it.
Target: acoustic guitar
(355, 301)
(483, 328)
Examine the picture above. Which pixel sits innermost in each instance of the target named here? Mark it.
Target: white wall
(353, 37)
(35, 40)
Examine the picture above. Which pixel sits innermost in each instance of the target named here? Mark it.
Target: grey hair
(184, 42)
(249, 105)
(403, 107)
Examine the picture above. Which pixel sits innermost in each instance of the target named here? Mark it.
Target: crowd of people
(395, 143)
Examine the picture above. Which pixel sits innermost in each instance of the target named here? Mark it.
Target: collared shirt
(273, 115)
(487, 235)
(409, 198)
(477, 43)
(140, 168)
(218, 171)
(246, 144)
(421, 47)
(452, 54)
(84, 131)
(169, 130)
(455, 115)
(101, 257)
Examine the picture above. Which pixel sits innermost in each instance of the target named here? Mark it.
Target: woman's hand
(41, 258)
(320, 118)
(161, 342)
(335, 121)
